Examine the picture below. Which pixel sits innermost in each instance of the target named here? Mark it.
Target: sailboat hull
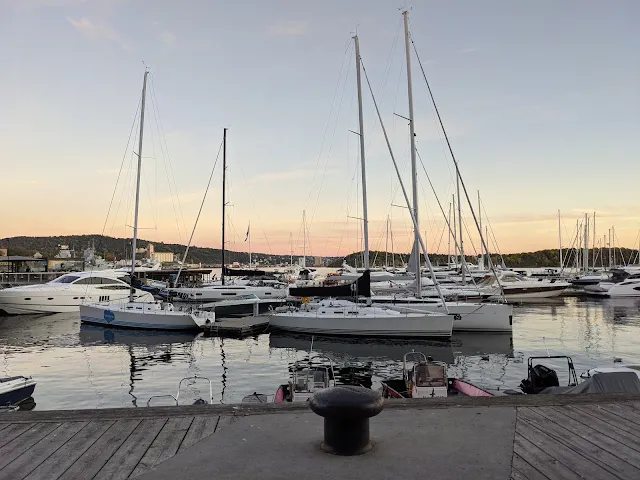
(143, 318)
(400, 326)
(468, 317)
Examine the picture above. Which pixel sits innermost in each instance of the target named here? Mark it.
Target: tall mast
(224, 198)
(414, 168)
(480, 230)
(290, 249)
(610, 260)
(135, 217)
(613, 239)
(560, 240)
(249, 238)
(365, 217)
(593, 261)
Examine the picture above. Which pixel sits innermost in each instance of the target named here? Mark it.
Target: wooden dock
(569, 437)
(239, 327)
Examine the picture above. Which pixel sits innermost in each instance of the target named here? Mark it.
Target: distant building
(37, 255)
(3, 252)
(65, 252)
(318, 262)
(163, 257)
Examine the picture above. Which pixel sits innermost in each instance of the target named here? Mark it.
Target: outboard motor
(540, 377)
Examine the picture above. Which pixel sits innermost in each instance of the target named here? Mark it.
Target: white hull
(628, 288)
(468, 317)
(364, 324)
(139, 315)
(523, 295)
(217, 293)
(48, 298)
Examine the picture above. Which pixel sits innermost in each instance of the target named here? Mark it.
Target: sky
(540, 101)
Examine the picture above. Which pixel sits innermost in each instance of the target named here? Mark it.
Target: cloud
(167, 37)
(289, 28)
(98, 32)
(466, 51)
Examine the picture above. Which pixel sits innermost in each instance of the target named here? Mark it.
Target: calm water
(79, 366)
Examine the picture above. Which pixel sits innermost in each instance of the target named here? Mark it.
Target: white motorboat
(467, 316)
(155, 315)
(216, 293)
(625, 282)
(514, 287)
(332, 317)
(67, 292)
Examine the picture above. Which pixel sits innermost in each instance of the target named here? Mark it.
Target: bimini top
(361, 287)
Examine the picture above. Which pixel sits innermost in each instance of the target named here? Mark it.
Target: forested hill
(110, 248)
(541, 258)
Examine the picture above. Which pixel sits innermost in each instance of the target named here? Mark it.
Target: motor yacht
(515, 287)
(67, 292)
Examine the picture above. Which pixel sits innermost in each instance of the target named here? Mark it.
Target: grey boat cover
(614, 382)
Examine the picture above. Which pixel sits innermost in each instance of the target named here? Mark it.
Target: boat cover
(237, 272)
(361, 287)
(614, 382)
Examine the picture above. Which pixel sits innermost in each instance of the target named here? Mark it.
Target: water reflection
(81, 366)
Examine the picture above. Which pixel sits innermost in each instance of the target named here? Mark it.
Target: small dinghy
(541, 377)
(306, 378)
(422, 377)
(15, 390)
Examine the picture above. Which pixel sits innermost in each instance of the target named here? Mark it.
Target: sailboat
(331, 316)
(136, 314)
(468, 316)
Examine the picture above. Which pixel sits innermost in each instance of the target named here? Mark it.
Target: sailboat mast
(455, 228)
(135, 217)
(560, 240)
(224, 193)
(414, 168)
(480, 230)
(585, 260)
(365, 217)
(386, 246)
(449, 237)
(304, 238)
(290, 249)
(249, 238)
(462, 259)
(593, 257)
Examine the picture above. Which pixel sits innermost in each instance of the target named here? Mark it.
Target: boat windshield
(66, 279)
(430, 375)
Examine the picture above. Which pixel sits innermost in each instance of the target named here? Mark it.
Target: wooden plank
(94, 458)
(125, 459)
(579, 464)
(629, 439)
(201, 427)
(606, 416)
(24, 442)
(523, 470)
(65, 456)
(225, 421)
(624, 411)
(4, 425)
(23, 465)
(12, 431)
(541, 461)
(610, 453)
(165, 445)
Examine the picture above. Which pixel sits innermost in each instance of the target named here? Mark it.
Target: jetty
(519, 437)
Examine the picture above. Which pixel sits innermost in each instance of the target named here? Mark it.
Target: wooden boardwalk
(97, 449)
(598, 441)
(581, 437)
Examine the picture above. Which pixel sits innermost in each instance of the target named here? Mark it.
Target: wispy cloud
(466, 51)
(167, 37)
(289, 28)
(98, 32)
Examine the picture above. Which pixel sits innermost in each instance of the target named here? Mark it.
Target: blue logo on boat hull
(109, 316)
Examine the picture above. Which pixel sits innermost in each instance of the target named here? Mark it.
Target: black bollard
(346, 411)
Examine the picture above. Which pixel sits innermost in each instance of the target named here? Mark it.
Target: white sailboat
(334, 317)
(468, 316)
(136, 314)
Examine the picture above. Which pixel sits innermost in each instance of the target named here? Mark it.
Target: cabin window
(50, 298)
(228, 294)
(97, 281)
(430, 376)
(27, 298)
(66, 279)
